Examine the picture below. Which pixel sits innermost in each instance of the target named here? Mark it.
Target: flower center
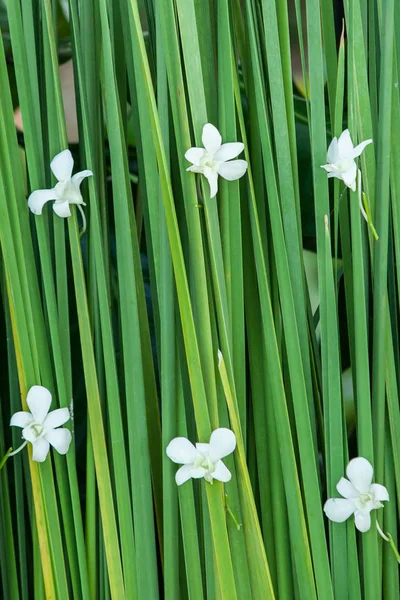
(344, 164)
(205, 463)
(363, 500)
(66, 190)
(38, 430)
(209, 162)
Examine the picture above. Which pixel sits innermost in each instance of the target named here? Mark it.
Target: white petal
(60, 439)
(358, 149)
(181, 451)
(38, 199)
(62, 209)
(362, 520)
(79, 177)
(21, 419)
(228, 151)
(204, 449)
(328, 168)
(360, 473)
(62, 165)
(56, 418)
(379, 491)
(345, 145)
(195, 169)
(232, 170)
(74, 197)
(347, 489)
(332, 155)
(194, 155)
(211, 138)
(197, 472)
(222, 443)
(39, 401)
(222, 473)
(349, 177)
(29, 434)
(339, 509)
(212, 178)
(183, 474)
(40, 450)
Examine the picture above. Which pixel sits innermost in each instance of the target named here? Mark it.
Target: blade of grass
(223, 559)
(309, 471)
(297, 523)
(329, 328)
(382, 225)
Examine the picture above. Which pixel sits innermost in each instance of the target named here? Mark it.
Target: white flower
(39, 426)
(340, 157)
(212, 160)
(360, 496)
(204, 460)
(66, 192)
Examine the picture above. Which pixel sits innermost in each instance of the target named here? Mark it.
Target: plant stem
(230, 513)
(10, 452)
(388, 538)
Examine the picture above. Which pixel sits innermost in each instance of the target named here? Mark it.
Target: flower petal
(194, 155)
(222, 443)
(232, 170)
(349, 177)
(204, 449)
(79, 177)
(183, 474)
(181, 451)
(60, 439)
(358, 149)
(56, 418)
(333, 154)
(39, 401)
(328, 168)
(347, 489)
(40, 450)
(62, 165)
(62, 209)
(353, 188)
(197, 472)
(222, 473)
(195, 169)
(21, 419)
(228, 151)
(345, 145)
(211, 138)
(38, 199)
(379, 491)
(362, 520)
(360, 473)
(212, 178)
(339, 509)
(29, 434)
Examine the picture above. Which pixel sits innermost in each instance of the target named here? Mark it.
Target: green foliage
(128, 319)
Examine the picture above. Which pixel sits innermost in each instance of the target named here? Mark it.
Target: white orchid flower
(203, 460)
(340, 157)
(360, 495)
(39, 426)
(66, 192)
(215, 158)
